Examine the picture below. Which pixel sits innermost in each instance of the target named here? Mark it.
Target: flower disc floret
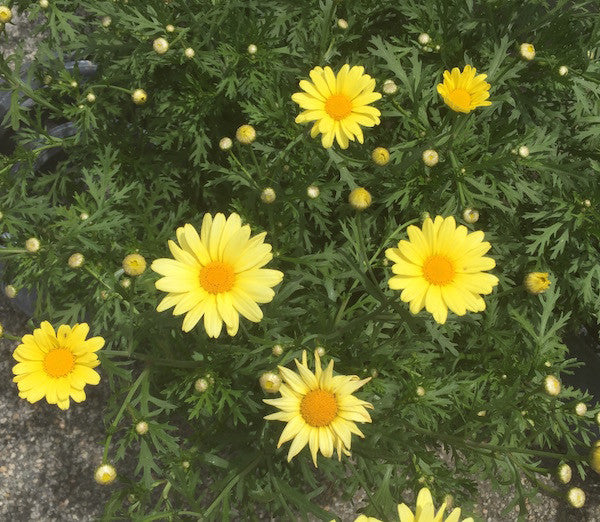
(217, 274)
(56, 365)
(442, 267)
(338, 104)
(464, 91)
(319, 409)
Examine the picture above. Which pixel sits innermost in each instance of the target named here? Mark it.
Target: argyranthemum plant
(338, 105)
(218, 274)
(442, 267)
(319, 409)
(463, 91)
(56, 365)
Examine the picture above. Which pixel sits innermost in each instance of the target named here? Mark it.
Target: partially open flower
(270, 382)
(470, 216)
(76, 260)
(380, 156)
(134, 264)
(201, 385)
(595, 457)
(576, 497)
(160, 46)
(105, 474)
(245, 134)
(537, 282)
(430, 157)
(360, 198)
(5, 14)
(139, 96)
(564, 473)
(32, 245)
(527, 51)
(225, 143)
(552, 385)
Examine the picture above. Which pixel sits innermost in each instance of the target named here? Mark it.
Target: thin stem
(115, 422)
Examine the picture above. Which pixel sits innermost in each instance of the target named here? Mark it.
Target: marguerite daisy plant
(56, 365)
(442, 267)
(463, 91)
(217, 275)
(319, 409)
(338, 105)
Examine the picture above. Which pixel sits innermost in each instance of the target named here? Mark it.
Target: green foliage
(139, 172)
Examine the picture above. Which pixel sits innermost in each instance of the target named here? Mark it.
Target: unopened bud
(32, 245)
(105, 474)
(76, 260)
(141, 428)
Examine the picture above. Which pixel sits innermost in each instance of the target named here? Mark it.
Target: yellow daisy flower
(442, 267)
(537, 282)
(463, 91)
(338, 105)
(319, 409)
(56, 365)
(425, 512)
(217, 274)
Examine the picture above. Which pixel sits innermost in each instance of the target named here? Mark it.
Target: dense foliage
(139, 171)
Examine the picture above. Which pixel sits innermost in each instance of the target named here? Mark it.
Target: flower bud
(189, 53)
(420, 391)
(424, 38)
(527, 51)
(185, 464)
(5, 14)
(587, 203)
(563, 70)
(170, 28)
(139, 96)
(105, 474)
(90, 97)
(389, 87)
(270, 382)
(320, 351)
(1, 331)
(380, 156)
(430, 157)
(576, 497)
(201, 385)
(268, 195)
(537, 282)
(76, 260)
(125, 282)
(523, 151)
(134, 264)
(225, 143)
(141, 428)
(252, 49)
(552, 385)
(277, 350)
(245, 134)
(312, 191)
(482, 413)
(564, 473)
(470, 216)
(342, 24)
(580, 409)
(595, 457)
(106, 21)
(83, 216)
(360, 198)
(160, 46)
(74, 84)
(44, 4)
(32, 245)
(10, 291)
(47, 79)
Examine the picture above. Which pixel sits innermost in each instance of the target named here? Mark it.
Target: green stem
(248, 175)
(9, 337)
(12, 251)
(115, 422)
(501, 449)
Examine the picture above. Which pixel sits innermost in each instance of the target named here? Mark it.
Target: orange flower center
(438, 270)
(217, 277)
(59, 362)
(318, 408)
(338, 106)
(461, 98)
